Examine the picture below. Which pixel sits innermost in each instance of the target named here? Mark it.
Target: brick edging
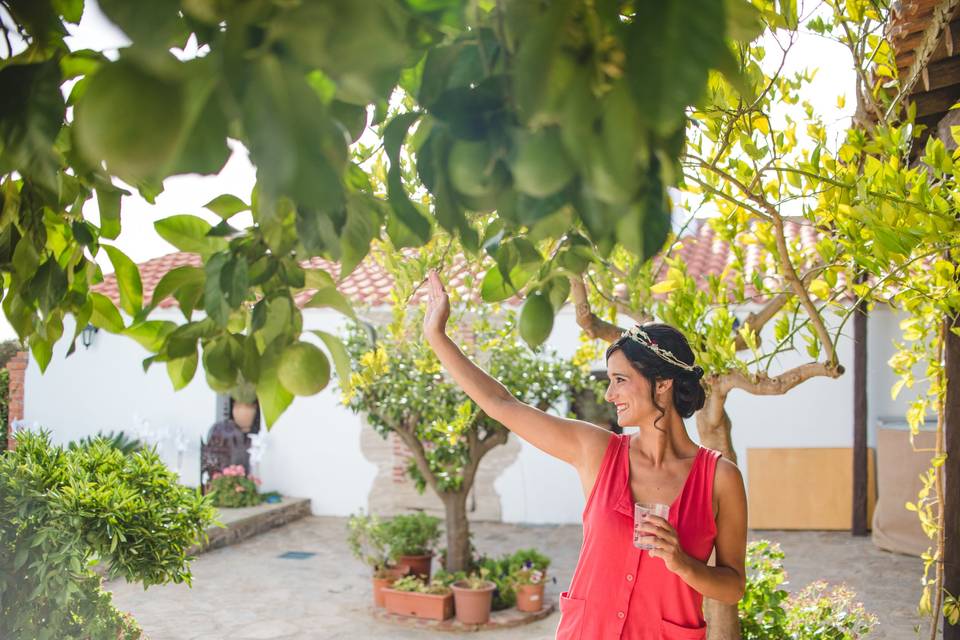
(17, 366)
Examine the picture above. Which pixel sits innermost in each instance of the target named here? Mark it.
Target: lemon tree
(399, 386)
(553, 115)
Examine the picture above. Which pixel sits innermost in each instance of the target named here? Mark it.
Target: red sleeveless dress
(619, 591)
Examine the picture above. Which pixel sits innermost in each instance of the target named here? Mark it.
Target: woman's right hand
(438, 307)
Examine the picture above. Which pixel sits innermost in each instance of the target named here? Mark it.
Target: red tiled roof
(369, 284)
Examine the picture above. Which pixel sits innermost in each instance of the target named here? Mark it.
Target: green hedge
(62, 511)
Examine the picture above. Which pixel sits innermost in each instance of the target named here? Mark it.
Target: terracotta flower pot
(385, 578)
(244, 414)
(420, 605)
(418, 565)
(473, 605)
(529, 597)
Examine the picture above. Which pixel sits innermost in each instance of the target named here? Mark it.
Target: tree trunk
(713, 426)
(458, 530)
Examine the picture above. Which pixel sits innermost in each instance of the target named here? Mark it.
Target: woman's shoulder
(727, 477)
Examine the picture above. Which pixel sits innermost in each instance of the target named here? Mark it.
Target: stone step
(245, 522)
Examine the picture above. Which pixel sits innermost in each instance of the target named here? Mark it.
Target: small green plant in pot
(412, 539)
(528, 575)
(368, 543)
(473, 597)
(414, 596)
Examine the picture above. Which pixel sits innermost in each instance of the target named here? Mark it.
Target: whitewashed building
(320, 450)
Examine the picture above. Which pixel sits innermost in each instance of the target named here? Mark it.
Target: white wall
(102, 388)
(314, 449)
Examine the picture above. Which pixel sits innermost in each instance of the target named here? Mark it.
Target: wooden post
(859, 524)
(951, 472)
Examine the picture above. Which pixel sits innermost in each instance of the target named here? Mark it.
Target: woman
(618, 590)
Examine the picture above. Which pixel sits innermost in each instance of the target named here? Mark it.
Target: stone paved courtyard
(247, 591)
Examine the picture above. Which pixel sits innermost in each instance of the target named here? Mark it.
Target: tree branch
(587, 320)
(407, 432)
(758, 320)
(764, 385)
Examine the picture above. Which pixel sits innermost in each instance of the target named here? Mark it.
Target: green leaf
(537, 53)
(218, 361)
(108, 200)
(671, 46)
(42, 352)
(105, 315)
(189, 233)
(31, 114)
(330, 297)
(174, 281)
(233, 281)
(341, 358)
(364, 217)
(128, 281)
(153, 24)
(150, 334)
(214, 301)
(744, 22)
(272, 396)
(407, 214)
(182, 370)
(227, 205)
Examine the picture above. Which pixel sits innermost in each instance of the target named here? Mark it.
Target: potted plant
(473, 597)
(413, 596)
(528, 573)
(412, 539)
(233, 488)
(245, 408)
(368, 543)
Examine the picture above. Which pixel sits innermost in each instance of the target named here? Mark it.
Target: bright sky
(188, 194)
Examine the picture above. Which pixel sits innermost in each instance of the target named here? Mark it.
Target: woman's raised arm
(574, 441)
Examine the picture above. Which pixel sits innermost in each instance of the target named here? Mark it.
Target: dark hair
(688, 393)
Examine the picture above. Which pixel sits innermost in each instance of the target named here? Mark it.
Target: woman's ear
(664, 386)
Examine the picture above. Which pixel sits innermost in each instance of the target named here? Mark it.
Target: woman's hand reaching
(438, 307)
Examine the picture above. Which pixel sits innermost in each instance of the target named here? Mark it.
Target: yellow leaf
(665, 286)
(761, 124)
(820, 288)
(841, 101)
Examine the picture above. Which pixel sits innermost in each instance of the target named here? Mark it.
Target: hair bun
(698, 372)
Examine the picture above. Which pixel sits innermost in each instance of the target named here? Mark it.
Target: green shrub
(768, 612)
(416, 584)
(118, 440)
(414, 534)
(368, 542)
(232, 488)
(824, 613)
(62, 511)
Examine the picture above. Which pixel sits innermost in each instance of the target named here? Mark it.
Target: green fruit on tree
(541, 166)
(132, 119)
(473, 171)
(304, 369)
(536, 319)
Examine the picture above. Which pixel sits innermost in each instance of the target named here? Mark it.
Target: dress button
(629, 577)
(620, 614)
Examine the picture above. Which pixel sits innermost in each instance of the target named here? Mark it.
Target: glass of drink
(640, 512)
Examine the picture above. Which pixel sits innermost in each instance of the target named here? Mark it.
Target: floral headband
(637, 334)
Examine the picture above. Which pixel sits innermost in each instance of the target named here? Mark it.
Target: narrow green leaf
(128, 281)
(105, 315)
(182, 370)
(341, 359)
(227, 205)
(108, 201)
(189, 233)
(330, 297)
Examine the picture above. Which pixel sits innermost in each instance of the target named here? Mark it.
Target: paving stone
(328, 596)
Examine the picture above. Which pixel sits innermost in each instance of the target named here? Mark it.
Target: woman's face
(629, 391)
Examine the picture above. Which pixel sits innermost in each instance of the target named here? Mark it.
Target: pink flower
(234, 470)
(239, 489)
(255, 479)
(216, 474)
